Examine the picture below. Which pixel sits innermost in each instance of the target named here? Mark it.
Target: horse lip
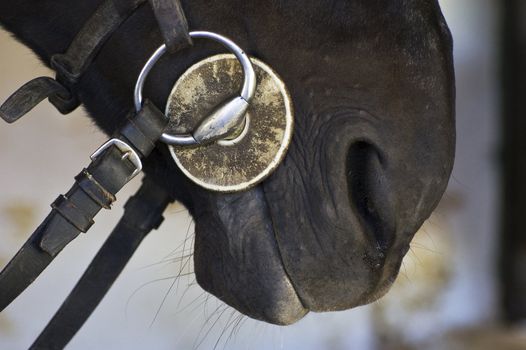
(279, 248)
(377, 289)
(246, 270)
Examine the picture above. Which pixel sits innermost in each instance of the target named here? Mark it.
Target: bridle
(113, 165)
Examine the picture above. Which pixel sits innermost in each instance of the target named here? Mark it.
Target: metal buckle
(127, 153)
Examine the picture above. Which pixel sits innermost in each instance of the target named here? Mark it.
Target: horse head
(372, 85)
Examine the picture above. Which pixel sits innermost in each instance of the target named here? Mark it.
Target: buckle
(127, 153)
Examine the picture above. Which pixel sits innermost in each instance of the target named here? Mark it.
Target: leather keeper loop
(65, 105)
(60, 65)
(72, 214)
(137, 138)
(150, 120)
(94, 189)
(66, 101)
(143, 129)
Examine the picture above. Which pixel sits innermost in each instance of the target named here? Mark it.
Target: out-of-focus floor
(446, 296)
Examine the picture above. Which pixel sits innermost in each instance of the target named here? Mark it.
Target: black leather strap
(72, 64)
(28, 96)
(96, 186)
(107, 18)
(73, 213)
(94, 189)
(142, 214)
(93, 35)
(172, 23)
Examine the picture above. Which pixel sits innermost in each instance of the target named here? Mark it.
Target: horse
(372, 83)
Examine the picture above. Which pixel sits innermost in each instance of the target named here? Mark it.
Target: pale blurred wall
(475, 224)
(447, 282)
(452, 282)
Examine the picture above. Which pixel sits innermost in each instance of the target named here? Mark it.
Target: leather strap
(107, 18)
(172, 23)
(95, 188)
(71, 65)
(142, 214)
(28, 96)
(93, 35)
(113, 165)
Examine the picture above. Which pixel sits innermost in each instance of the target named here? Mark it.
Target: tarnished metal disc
(257, 148)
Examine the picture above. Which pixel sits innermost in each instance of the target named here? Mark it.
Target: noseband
(118, 160)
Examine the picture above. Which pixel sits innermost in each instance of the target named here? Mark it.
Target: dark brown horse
(372, 84)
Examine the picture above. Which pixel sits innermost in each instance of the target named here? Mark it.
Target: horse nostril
(370, 193)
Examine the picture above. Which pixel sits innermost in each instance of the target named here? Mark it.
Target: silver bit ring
(223, 119)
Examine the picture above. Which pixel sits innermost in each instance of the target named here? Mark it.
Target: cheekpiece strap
(71, 65)
(113, 166)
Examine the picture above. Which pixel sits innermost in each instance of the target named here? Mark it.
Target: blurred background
(462, 285)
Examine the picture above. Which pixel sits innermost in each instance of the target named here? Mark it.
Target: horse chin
(238, 260)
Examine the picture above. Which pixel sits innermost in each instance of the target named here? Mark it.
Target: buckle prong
(127, 153)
